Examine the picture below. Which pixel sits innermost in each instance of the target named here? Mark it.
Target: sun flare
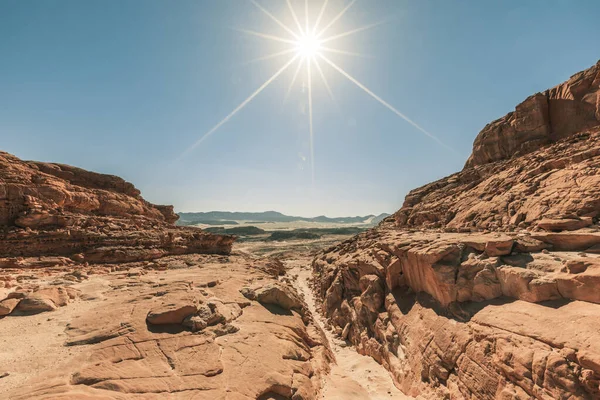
(305, 45)
(308, 46)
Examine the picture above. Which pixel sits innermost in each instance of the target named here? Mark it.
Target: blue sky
(124, 87)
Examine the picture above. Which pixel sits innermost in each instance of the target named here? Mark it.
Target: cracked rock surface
(166, 333)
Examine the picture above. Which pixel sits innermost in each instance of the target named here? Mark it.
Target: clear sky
(125, 87)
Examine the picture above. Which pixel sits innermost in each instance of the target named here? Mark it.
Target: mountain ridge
(189, 218)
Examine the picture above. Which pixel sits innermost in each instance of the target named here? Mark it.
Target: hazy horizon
(127, 88)
(291, 215)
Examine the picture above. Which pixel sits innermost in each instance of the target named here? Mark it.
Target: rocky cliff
(484, 285)
(543, 118)
(58, 210)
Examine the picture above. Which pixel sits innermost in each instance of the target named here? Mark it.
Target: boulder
(194, 322)
(7, 306)
(170, 314)
(36, 304)
(565, 224)
(277, 294)
(499, 248)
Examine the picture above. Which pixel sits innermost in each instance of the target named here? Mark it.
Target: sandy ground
(288, 249)
(30, 345)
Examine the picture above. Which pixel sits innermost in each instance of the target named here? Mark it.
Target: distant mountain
(227, 217)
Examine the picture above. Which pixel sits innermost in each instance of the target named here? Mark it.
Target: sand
(354, 376)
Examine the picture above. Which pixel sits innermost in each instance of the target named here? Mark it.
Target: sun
(308, 46)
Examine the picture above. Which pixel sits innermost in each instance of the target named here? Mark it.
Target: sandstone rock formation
(484, 285)
(59, 210)
(557, 113)
(551, 188)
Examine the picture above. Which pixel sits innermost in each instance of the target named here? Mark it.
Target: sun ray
(265, 36)
(281, 24)
(295, 17)
(344, 52)
(306, 44)
(270, 56)
(320, 16)
(238, 108)
(325, 81)
(383, 102)
(353, 31)
(310, 121)
(287, 94)
(334, 20)
(306, 15)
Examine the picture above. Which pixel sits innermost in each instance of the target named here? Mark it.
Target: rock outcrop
(553, 188)
(58, 210)
(541, 119)
(484, 285)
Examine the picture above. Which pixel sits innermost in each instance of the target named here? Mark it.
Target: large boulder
(44, 299)
(171, 314)
(7, 306)
(276, 294)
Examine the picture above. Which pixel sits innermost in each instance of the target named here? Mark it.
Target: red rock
(170, 314)
(576, 267)
(260, 354)
(459, 318)
(7, 306)
(277, 294)
(543, 118)
(36, 304)
(55, 209)
(499, 248)
(565, 224)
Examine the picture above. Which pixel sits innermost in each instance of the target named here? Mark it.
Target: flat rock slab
(131, 342)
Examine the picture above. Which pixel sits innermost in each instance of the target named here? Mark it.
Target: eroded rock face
(536, 166)
(569, 108)
(451, 320)
(484, 285)
(59, 210)
(553, 188)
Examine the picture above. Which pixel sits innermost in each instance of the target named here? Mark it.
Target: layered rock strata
(541, 119)
(553, 188)
(484, 285)
(58, 210)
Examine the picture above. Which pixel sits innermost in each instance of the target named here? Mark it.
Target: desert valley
(483, 285)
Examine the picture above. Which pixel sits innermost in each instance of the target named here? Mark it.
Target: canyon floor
(65, 353)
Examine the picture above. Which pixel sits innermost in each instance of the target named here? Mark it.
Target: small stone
(576, 267)
(194, 322)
